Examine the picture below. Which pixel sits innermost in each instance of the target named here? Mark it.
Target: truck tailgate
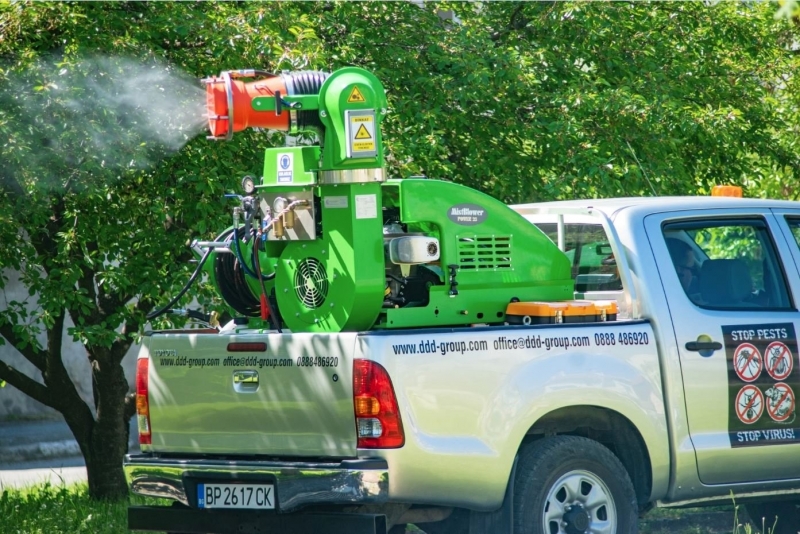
(245, 394)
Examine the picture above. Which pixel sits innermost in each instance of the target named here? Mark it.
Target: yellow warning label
(362, 133)
(356, 96)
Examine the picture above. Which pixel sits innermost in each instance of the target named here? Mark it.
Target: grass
(47, 509)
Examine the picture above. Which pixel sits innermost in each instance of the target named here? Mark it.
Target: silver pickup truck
(688, 398)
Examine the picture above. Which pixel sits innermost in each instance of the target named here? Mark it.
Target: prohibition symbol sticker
(780, 402)
(749, 404)
(747, 362)
(778, 360)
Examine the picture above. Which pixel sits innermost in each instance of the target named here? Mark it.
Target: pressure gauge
(279, 206)
(248, 184)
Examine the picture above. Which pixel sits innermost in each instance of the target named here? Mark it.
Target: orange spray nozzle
(228, 103)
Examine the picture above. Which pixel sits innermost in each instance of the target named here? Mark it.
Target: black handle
(696, 346)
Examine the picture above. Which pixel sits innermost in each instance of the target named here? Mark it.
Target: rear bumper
(297, 484)
(229, 522)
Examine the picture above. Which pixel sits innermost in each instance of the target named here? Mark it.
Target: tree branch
(37, 358)
(121, 346)
(26, 384)
(55, 336)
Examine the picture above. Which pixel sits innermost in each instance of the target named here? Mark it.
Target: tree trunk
(108, 442)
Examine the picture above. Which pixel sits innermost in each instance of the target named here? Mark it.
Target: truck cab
(718, 279)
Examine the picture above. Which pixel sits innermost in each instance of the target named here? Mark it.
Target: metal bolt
(323, 113)
(568, 507)
(297, 314)
(323, 251)
(285, 290)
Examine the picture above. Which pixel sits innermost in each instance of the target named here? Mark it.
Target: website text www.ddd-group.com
(433, 346)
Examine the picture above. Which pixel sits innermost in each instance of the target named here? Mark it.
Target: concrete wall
(16, 405)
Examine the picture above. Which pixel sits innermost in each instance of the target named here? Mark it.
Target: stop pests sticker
(763, 384)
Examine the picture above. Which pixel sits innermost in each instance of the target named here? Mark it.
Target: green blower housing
(329, 244)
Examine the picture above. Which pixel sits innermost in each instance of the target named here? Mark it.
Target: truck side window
(794, 226)
(727, 264)
(593, 265)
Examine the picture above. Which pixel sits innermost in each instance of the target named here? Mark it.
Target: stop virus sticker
(763, 383)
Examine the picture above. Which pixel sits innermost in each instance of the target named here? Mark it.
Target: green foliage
(525, 101)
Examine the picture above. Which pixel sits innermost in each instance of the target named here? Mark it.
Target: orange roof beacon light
(726, 191)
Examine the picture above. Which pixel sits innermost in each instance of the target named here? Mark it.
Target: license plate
(251, 496)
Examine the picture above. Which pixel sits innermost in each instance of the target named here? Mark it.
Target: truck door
(735, 321)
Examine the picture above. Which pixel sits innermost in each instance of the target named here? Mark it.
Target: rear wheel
(572, 485)
(780, 517)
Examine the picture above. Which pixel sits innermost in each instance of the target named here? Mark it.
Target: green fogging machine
(324, 242)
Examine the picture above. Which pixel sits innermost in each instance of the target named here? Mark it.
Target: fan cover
(311, 283)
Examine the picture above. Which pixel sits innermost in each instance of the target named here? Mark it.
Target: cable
(273, 319)
(195, 274)
(251, 270)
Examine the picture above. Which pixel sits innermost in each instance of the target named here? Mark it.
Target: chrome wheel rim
(579, 503)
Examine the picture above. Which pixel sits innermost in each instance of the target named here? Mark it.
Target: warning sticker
(747, 362)
(361, 133)
(356, 96)
(762, 384)
(778, 360)
(749, 404)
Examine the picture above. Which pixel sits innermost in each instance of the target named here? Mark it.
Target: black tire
(780, 517)
(548, 469)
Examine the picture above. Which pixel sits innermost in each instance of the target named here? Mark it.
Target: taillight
(143, 401)
(378, 423)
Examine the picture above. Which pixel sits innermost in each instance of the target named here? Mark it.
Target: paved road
(32, 452)
(57, 472)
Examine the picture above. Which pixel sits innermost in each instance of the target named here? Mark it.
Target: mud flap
(501, 521)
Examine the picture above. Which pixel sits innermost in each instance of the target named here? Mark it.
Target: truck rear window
(594, 267)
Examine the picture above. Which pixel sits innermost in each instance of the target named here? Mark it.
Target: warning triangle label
(355, 96)
(362, 133)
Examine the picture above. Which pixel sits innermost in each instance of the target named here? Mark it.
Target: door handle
(696, 346)
(245, 381)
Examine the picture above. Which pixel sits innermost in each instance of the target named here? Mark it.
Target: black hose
(233, 288)
(273, 319)
(195, 274)
(307, 82)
